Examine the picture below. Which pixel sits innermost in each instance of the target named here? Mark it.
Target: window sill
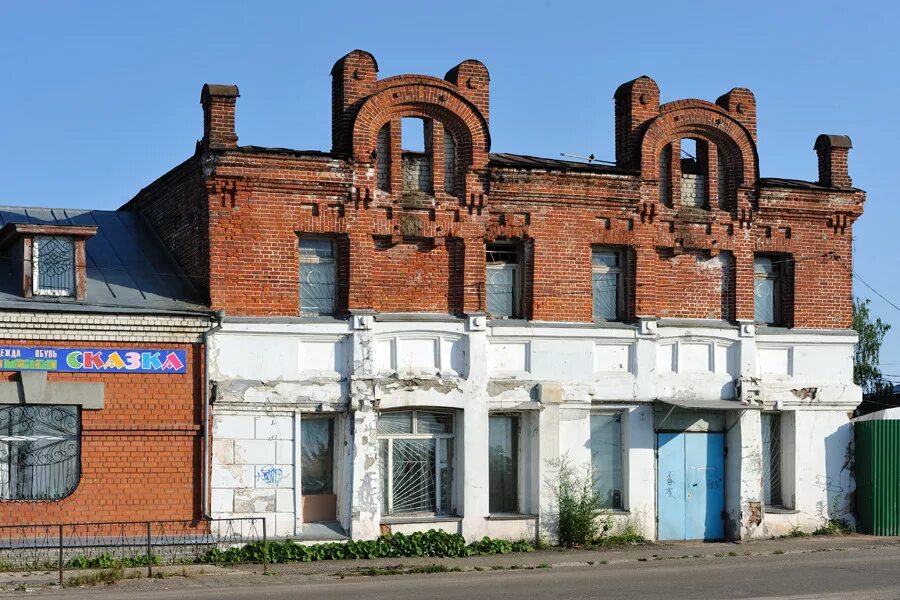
(511, 517)
(614, 512)
(780, 510)
(395, 520)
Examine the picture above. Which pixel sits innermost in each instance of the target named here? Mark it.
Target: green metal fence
(878, 476)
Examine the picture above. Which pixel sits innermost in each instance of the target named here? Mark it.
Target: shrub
(578, 504)
(432, 543)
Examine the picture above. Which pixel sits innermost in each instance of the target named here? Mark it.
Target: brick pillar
(833, 151)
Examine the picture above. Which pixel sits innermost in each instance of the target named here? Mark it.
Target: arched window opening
(416, 155)
(449, 163)
(665, 176)
(724, 174)
(694, 173)
(383, 158)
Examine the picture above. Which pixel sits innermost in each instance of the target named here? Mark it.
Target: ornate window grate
(416, 457)
(40, 452)
(53, 265)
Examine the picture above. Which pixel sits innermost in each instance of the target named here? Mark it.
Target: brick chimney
(218, 103)
(833, 151)
(637, 102)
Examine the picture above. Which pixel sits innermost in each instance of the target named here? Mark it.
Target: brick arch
(705, 121)
(423, 97)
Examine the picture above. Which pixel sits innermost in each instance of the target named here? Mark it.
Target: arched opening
(415, 155)
(694, 173)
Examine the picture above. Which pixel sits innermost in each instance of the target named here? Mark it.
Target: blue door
(691, 486)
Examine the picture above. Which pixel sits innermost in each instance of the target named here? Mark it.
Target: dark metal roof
(521, 161)
(798, 184)
(128, 267)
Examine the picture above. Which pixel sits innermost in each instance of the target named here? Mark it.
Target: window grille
(771, 447)
(40, 450)
(606, 458)
(767, 289)
(53, 266)
(606, 280)
(503, 464)
(503, 280)
(318, 276)
(416, 457)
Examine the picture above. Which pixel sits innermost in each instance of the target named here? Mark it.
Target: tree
(865, 360)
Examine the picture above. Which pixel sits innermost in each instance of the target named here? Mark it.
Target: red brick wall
(175, 205)
(398, 257)
(140, 454)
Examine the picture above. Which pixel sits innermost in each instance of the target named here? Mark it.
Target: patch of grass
(105, 576)
(543, 566)
(629, 536)
(796, 532)
(834, 527)
(778, 552)
(732, 553)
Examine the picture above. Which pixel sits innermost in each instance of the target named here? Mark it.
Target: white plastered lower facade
(268, 376)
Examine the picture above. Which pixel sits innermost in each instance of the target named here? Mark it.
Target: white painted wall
(268, 374)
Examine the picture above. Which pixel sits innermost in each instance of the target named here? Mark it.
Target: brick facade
(141, 454)
(240, 210)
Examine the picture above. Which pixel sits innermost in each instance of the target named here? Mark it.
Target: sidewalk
(552, 558)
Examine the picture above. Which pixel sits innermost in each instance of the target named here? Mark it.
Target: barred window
(40, 451)
(416, 458)
(318, 275)
(771, 446)
(53, 265)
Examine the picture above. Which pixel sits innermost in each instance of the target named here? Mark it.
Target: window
(607, 283)
(769, 289)
(416, 155)
(771, 449)
(40, 451)
(606, 458)
(665, 178)
(503, 464)
(449, 163)
(318, 274)
(503, 280)
(383, 158)
(694, 172)
(316, 456)
(53, 265)
(416, 454)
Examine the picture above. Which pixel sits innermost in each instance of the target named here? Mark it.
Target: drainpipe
(219, 318)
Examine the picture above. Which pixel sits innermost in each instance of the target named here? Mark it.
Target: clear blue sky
(101, 98)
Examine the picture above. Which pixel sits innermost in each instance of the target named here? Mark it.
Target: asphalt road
(858, 574)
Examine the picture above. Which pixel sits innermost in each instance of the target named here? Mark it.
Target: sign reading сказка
(92, 360)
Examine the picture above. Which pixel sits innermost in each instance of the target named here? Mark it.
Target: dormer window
(50, 259)
(53, 265)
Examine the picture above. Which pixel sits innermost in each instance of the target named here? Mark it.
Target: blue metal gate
(691, 486)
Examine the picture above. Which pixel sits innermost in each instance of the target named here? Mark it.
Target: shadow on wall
(839, 479)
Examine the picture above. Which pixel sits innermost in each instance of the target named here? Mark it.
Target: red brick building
(102, 372)
(673, 294)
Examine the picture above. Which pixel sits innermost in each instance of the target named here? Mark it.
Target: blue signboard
(93, 360)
